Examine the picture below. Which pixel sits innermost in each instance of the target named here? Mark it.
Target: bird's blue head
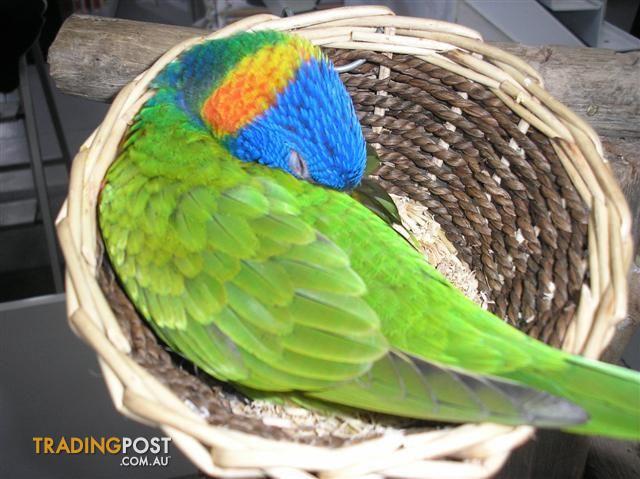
(285, 107)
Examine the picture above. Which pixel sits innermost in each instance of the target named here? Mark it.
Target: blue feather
(313, 116)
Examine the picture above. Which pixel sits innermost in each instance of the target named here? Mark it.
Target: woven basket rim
(223, 452)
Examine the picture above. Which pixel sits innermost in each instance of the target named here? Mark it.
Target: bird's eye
(298, 166)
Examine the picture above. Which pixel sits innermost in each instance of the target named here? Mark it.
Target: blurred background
(50, 382)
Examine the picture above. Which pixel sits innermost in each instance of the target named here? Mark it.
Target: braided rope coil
(517, 181)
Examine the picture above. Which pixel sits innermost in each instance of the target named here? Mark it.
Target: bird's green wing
(228, 274)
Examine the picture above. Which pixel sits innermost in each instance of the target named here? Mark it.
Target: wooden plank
(624, 156)
(601, 85)
(94, 57)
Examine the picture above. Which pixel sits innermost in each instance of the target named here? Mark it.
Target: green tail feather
(589, 398)
(610, 395)
(408, 386)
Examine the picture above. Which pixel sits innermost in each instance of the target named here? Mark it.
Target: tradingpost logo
(136, 452)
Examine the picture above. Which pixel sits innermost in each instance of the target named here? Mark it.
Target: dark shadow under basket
(516, 181)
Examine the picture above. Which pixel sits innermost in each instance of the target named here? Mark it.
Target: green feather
(333, 312)
(267, 281)
(206, 292)
(335, 347)
(220, 266)
(267, 378)
(244, 201)
(265, 346)
(321, 252)
(254, 312)
(318, 278)
(279, 226)
(189, 265)
(231, 235)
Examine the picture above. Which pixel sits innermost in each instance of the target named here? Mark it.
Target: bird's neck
(176, 145)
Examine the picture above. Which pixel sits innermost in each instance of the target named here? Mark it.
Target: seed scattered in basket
(437, 249)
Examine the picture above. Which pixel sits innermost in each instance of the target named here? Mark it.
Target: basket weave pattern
(481, 202)
(516, 180)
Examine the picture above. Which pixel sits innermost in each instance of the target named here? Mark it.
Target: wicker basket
(516, 180)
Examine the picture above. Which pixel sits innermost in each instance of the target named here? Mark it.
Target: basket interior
(500, 194)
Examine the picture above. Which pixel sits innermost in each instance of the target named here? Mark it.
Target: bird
(229, 219)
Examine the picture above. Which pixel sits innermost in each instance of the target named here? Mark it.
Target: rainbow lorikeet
(228, 221)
